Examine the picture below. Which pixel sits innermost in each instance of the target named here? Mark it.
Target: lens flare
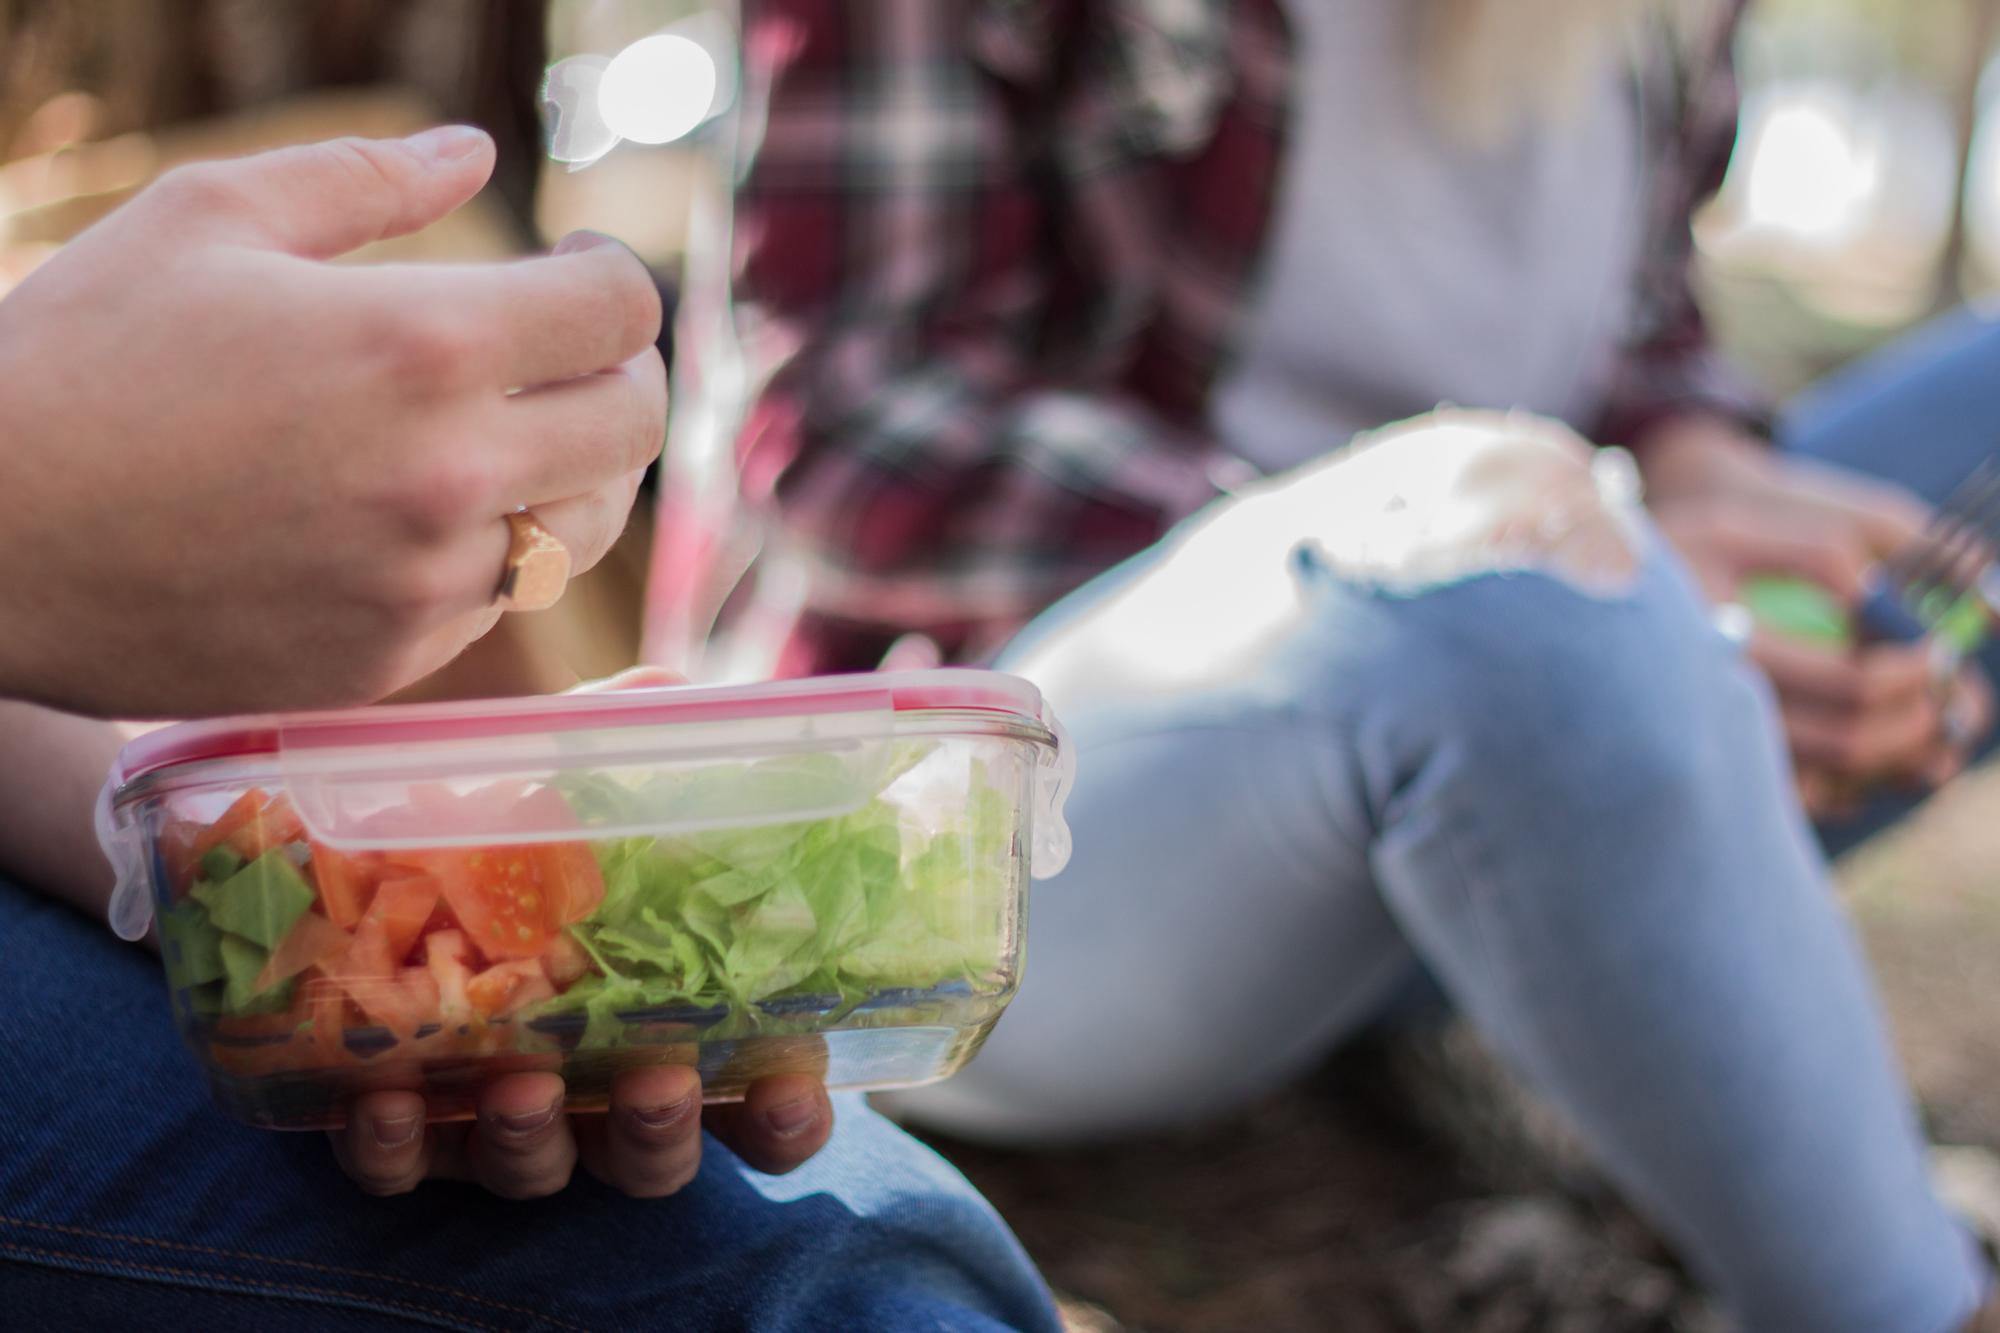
(657, 90)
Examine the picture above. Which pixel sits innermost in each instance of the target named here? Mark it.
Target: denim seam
(191, 1248)
(211, 1281)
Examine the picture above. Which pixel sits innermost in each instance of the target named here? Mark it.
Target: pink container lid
(480, 719)
(332, 753)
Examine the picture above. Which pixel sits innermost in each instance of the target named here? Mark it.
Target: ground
(1409, 1187)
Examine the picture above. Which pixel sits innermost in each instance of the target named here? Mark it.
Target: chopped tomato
(576, 883)
(274, 825)
(401, 907)
(310, 942)
(507, 988)
(565, 961)
(500, 896)
(345, 882)
(580, 878)
(368, 957)
(327, 1007)
(240, 812)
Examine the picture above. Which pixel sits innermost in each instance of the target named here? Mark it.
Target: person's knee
(1451, 495)
(1590, 676)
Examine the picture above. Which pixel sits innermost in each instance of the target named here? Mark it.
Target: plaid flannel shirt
(989, 259)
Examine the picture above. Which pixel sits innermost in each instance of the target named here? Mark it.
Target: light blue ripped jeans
(1572, 809)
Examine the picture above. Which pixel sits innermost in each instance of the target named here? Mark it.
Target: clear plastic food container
(824, 876)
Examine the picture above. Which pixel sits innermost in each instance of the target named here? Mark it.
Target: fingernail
(396, 1130)
(789, 1118)
(659, 1117)
(448, 143)
(528, 1122)
(578, 241)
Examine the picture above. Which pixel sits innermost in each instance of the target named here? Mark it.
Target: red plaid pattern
(990, 256)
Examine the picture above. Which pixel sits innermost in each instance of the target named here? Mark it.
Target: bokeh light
(1807, 172)
(658, 89)
(572, 117)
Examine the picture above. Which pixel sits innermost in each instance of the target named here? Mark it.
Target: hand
(1877, 714)
(240, 477)
(648, 1145)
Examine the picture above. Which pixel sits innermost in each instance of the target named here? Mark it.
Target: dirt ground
(1410, 1187)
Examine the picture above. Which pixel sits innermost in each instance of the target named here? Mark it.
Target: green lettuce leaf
(833, 908)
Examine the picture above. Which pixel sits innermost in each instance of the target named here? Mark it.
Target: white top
(1406, 269)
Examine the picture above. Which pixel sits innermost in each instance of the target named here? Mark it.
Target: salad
(288, 955)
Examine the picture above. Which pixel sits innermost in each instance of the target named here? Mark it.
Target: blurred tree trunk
(1981, 26)
(150, 63)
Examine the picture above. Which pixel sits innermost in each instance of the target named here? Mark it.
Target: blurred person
(244, 478)
(1072, 334)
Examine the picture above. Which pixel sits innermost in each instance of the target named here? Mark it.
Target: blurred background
(1408, 1187)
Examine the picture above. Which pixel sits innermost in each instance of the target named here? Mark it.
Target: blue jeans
(1572, 809)
(127, 1202)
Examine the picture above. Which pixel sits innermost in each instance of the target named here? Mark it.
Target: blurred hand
(240, 477)
(1876, 715)
(522, 1146)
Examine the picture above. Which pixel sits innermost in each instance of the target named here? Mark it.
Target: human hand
(1872, 715)
(521, 1146)
(240, 477)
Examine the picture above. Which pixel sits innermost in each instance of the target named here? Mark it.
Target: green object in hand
(1960, 620)
(1797, 608)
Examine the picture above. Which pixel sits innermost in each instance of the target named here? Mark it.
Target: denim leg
(1923, 413)
(1574, 809)
(126, 1201)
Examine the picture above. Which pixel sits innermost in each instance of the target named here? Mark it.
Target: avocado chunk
(261, 901)
(219, 863)
(192, 945)
(242, 962)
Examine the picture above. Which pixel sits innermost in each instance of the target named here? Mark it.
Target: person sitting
(1074, 337)
(247, 479)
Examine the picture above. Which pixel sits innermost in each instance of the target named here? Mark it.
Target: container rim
(953, 689)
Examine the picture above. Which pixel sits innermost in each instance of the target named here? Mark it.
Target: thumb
(324, 199)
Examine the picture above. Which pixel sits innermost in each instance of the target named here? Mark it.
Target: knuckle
(605, 514)
(432, 354)
(444, 491)
(416, 595)
(198, 187)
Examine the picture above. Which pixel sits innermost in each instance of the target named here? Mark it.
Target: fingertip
(784, 1120)
(637, 311)
(657, 1100)
(387, 1121)
(382, 1146)
(448, 145)
(522, 1102)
